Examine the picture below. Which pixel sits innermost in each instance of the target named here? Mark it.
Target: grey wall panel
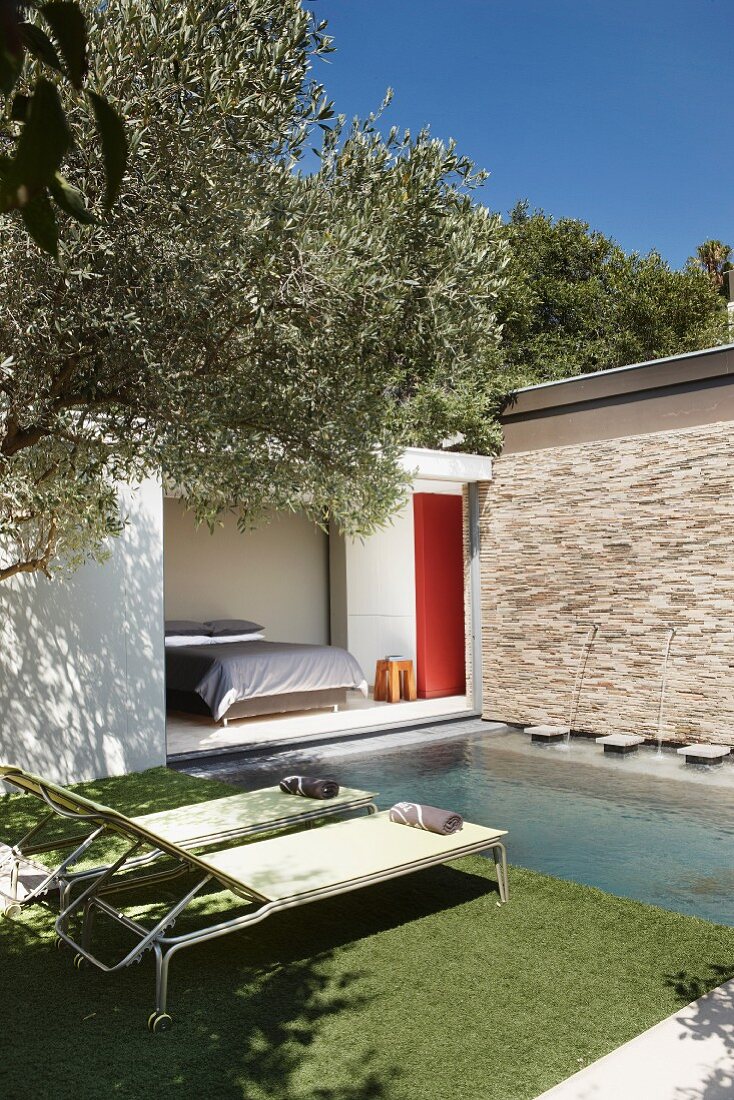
(276, 574)
(661, 396)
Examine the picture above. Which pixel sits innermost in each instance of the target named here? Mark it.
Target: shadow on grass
(290, 1008)
(689, 987)
(275, 1014)
(710, 1018)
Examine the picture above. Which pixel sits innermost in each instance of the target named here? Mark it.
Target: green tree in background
(713, 258)
(264, 339)
(576, 302)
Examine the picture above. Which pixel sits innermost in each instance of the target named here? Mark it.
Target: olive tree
(413, 268)
(260, 337)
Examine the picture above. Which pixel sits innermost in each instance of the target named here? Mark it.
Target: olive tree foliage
(264, 338)
(411, 269)
(576, 302)
(43, 67)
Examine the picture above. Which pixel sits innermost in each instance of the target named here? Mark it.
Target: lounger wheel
(159, 1021)
(59, 944)
(12, 911)
(79, 961)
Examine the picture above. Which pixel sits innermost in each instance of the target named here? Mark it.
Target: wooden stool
(394, 680)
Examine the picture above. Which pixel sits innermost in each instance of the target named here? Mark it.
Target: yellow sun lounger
(25, 880)
(273, 874)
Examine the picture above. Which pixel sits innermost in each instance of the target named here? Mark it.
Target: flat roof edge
(459, 466)
(621, 370)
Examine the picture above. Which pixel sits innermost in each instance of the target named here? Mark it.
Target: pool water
(617, 825)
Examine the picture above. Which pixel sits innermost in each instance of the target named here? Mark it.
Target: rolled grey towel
(429, 818)
(308, 787)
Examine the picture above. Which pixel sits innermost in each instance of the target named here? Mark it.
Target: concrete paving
(191, 733)
(620, 742)
(704, 754)
(548, 733)
(689, 1056)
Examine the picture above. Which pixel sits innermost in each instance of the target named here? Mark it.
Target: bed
(240, 674)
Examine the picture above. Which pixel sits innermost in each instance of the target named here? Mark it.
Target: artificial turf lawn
(416, 989)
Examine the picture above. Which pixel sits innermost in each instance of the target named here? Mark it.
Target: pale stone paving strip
(689, 1056)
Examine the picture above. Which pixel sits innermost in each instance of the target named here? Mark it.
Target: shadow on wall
(82, 690)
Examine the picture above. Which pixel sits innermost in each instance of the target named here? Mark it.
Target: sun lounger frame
(164, 945)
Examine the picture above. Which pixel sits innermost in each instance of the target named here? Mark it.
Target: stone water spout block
(620, 743)
(548, 734)
(704, 754)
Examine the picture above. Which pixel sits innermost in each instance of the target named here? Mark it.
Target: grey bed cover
(223, 674)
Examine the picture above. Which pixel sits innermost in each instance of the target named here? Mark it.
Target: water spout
(663, 676)
(580, 672)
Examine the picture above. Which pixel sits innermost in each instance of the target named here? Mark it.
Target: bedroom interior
(294, 620)
(82, 664)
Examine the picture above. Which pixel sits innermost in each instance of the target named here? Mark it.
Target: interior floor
(188, 733)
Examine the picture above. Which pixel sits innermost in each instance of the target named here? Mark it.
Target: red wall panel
(439, 595)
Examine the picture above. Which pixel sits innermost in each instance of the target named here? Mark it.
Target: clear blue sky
(619, 112)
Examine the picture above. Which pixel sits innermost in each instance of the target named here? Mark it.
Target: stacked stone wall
(635, 535)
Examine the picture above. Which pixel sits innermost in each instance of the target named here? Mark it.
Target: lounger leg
(161, 978)
(505, 874)
(498, 868)
(500, 861)
(64, 892)
(14, 871)
(159, 1019)
(88, 924)
(55, 878)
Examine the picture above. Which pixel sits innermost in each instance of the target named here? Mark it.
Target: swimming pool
(643, 829)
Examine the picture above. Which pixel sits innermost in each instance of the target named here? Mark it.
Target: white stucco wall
(373, 585)
(81, 658)
(276, 575)
(373, 592)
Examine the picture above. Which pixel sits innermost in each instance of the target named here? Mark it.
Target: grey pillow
(222, 628)
(187, 628)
